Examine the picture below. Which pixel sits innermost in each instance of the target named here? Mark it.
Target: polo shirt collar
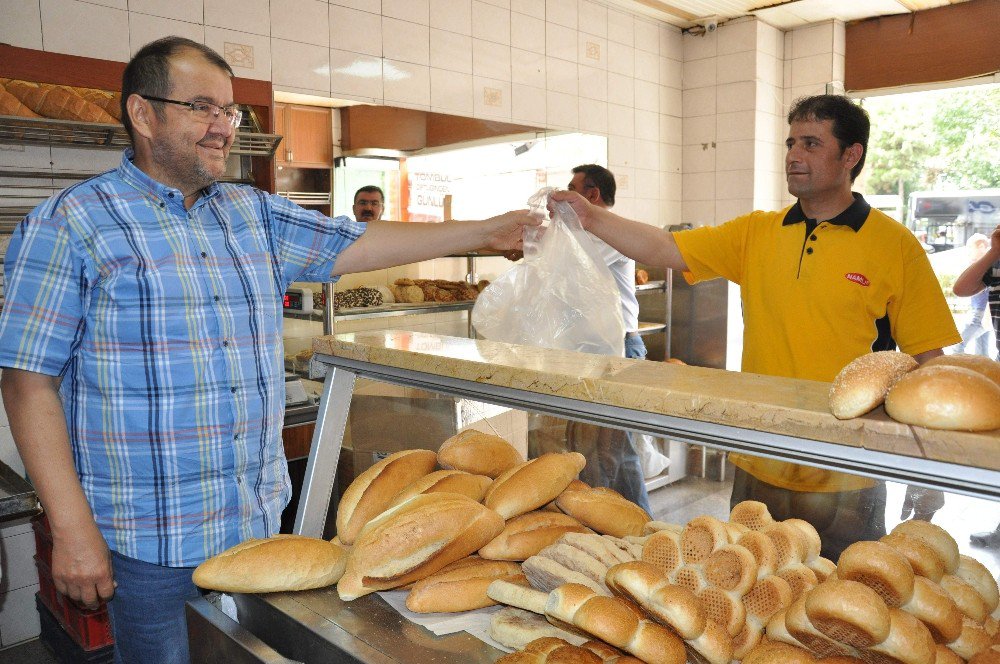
(136, 177)
(854, 216)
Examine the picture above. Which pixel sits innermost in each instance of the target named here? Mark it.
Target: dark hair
(850, 122)
(370, 189)
(148, 72)
(600, 177)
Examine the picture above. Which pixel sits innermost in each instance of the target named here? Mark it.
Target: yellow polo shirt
(815, 297)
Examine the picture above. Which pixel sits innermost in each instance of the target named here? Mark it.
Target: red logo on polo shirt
(857, 278)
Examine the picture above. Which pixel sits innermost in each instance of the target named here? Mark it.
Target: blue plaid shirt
(165, 326)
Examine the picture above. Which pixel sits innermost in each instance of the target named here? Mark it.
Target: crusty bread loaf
(415, 539)
(650, 588)
(478, 453)
(776, 652)
(909, 641)
(516, 628)
(577, 560)
(862, 385)
(945, 397)
(550, 650)
(529, 485)
(604, 510)
(973, 640)
(935, 608)
(275, 564)
(924, 560)
(372, 491)
(990, 655)
(57, 102)
(849, 612)
(451, 481)
(109, 102)
(881, 568)
(763, 550)
(945, 655)
(546, 574)
(976, 575)
(460, 586)
(935, 537)
(968, 600)
(799, 626)
(601, 547)
(979, 363)
(11, 105)
(527, 534)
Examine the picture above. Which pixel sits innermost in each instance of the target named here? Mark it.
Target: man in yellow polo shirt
(822, 282)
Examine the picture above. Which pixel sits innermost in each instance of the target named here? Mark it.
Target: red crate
(89, 629)
(43, 539)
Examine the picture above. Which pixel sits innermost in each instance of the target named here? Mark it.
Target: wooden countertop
(762, 403)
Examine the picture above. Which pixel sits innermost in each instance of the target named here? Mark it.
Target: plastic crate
(90, 630)
(43, 539)
(57, 640)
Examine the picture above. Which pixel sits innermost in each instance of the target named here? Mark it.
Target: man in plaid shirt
(141, 346)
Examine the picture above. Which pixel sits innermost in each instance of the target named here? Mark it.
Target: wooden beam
(935, 45)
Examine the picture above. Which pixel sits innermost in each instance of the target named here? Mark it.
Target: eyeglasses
(204, 111)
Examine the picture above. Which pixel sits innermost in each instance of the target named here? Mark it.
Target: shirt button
(204, 255)
(171, 194)
(216, 298)
(239, 479)
(233, 390)
(225, 342)
(809, 250)
(812, 237)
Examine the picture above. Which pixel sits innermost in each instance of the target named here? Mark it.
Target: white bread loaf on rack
(372, 491)
(279, 563)
(478, 453)
(415, 539)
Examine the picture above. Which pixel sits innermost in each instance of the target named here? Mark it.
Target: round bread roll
(751, 513)
(723, 608)
(799, 626)
(924, 560)
(799, 578)
(701, 536)
(935, 608)
(822, 568)
(849, 612)
(989, 656)
(663, 549)
(776, 652)
(969, 601)
(811, 538)
(525, 535)
(789, 544)
(690, 577)
(976, 575)
(604, 510)
(881, 568)
(972, 641)
(713, 645)
(909, 641)
(979, 363)
(732, 568)
(945, 397)
(478, 453)
(935, 537)
(863, 384)
(550, 650)
(451, 481)
(276, 564)
(762, 548)
(748, 638)
(768, 596)
(945, 655)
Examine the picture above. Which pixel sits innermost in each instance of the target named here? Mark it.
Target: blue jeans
(147, 612)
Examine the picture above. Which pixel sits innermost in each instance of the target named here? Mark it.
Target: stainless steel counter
(17, 497)
(316, 626)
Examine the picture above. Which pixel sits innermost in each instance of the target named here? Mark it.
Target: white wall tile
(671, 42)
(450, 50)
(22, 24)
(726, 209)
(355, 30)
(561, 76)
(373, 6)
(593, 116)
(527, 68)
(561, 42)
(534, 8)
(736, 97)
(621, 59)
(191, 11)
(738, 36)
(144, 28)
(406, 41)
(735, 126)
(670, 163)
(647, 125)
(490, 60)
(19, 620)
(647, 66)
(300, 65)
(671, 129)
(698, 213)
(734, 184)
(490, 22)
(592, 18)
(770, 40)
(562, 111)
(562, 12)
(621, 151)
(621, 27)
(413, 11)
(646, 184)
(769, 69)
(491, 98)
(593, 51)
(736, 67)
(698, 129)
(410, 87)
(647, 154)
(839, 38)
(698, 186)
(527, 32)
(252, 16)
(505, 4)
(671, 101)
(700, 46)
(593, 83)
(698, 158)
(671, 73)
(734, 155)
(81, 28)
(812, 40)
(700, 101)
(621, 89)
(18, 561)
(527, 104)
(647, 96)
(355, 76)
(812, 69)
(301, 20)
(699, 73)
(452, 15)
(451, 91)
(647, 36)
(621, 120)
(249, 55)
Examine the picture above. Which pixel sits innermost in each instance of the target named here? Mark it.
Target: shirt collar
(136, 177)
(853, 217)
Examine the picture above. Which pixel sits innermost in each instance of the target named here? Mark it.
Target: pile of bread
(59, 102)
(953, 392)
(590, 573)
(435, 290)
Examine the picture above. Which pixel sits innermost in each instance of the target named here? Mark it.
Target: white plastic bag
(562, 295)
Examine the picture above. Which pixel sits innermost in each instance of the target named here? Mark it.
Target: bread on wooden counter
(863, 383)
(279, 563)
(946, 397)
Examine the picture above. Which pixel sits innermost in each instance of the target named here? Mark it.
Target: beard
(187, 169)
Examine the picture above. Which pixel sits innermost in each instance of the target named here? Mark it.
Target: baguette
(11, 105)
(57, 101)
(478, 453)
(415, 539)
(517, 595)
(371, 492)
(460, 586)
(527, 534)
(529, 485)
(546, 575)
(275, 564)
(451, 481)
(604, 510)
(109, 102)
